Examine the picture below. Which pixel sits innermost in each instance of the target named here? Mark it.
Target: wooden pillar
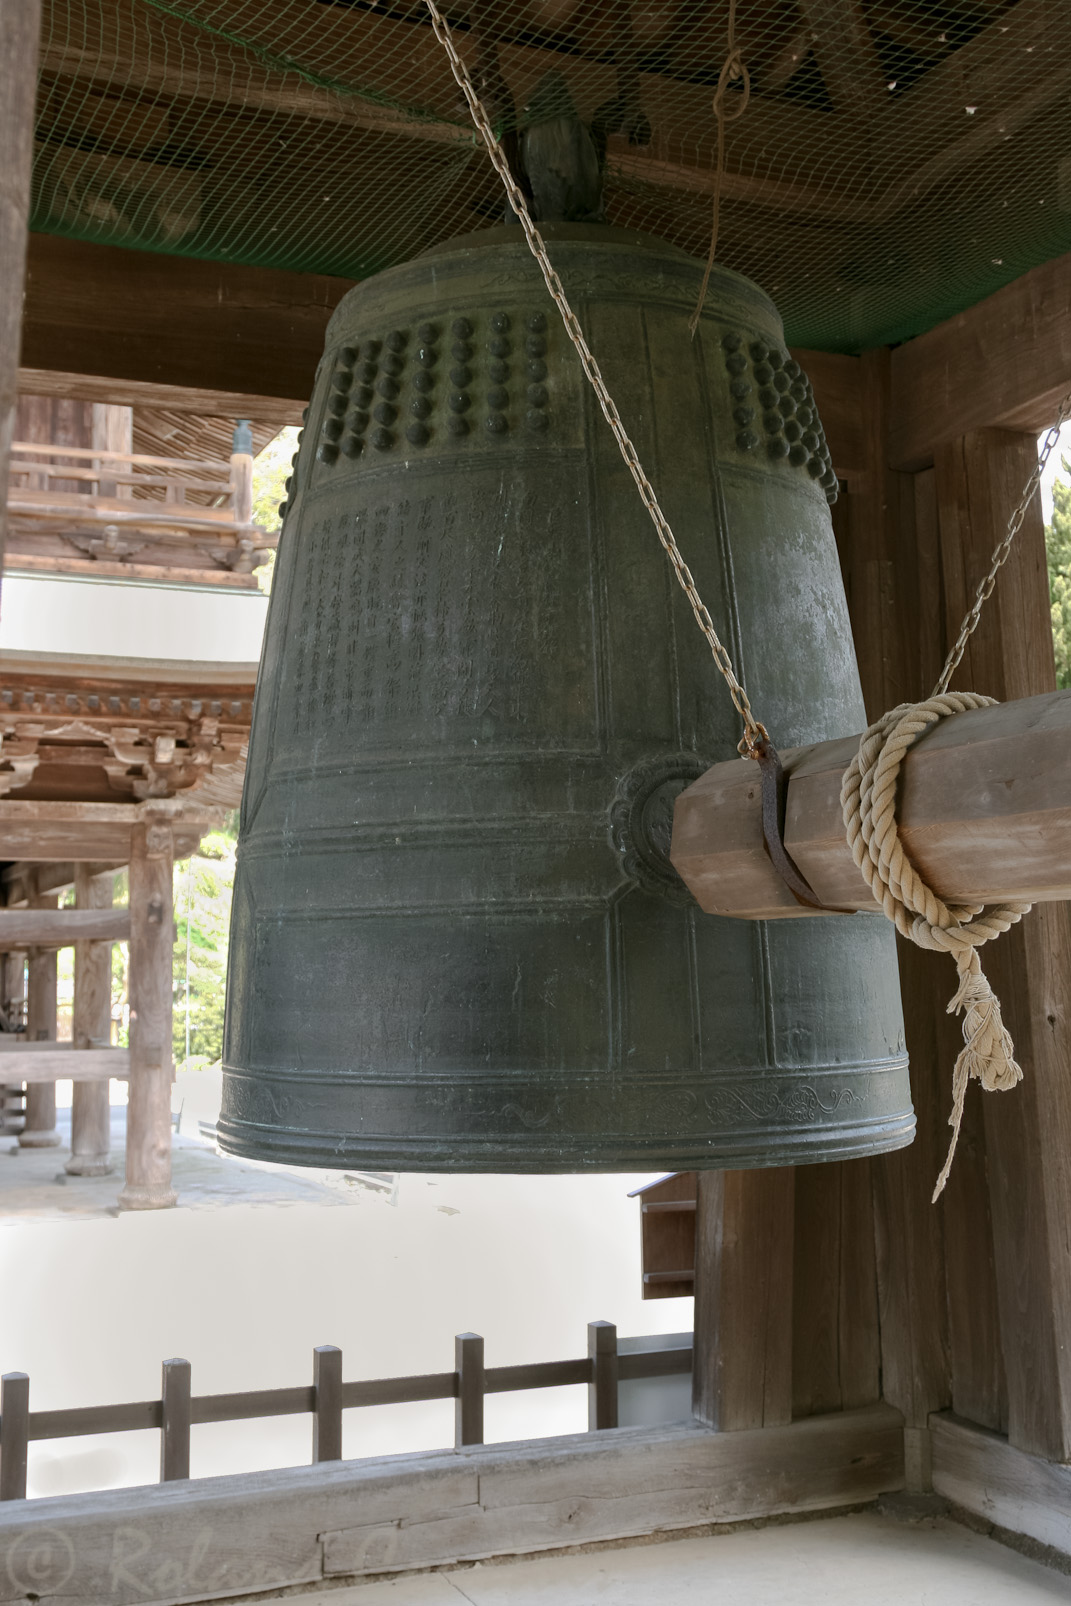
(1027, 1132)
(148, 1116)
(91, 1102)
(39, 1131)
(20, 28)
(13, 1007)
(886, 535)
(742, 1367)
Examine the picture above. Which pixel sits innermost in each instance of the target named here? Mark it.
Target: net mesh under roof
(897, 160)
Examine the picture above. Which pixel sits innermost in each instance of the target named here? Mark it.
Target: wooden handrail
(90, 452)
(600, 1370)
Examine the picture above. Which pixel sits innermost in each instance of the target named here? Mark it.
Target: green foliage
(271, 470)
(1058, 548)
(203, 886)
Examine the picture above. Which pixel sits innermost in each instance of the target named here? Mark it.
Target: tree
(1058, 549)
(203, 888)
(271, 470)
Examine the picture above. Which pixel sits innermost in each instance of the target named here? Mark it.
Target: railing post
(602, 1389)
(468, 1406)
(175, 1427)
(327, 1418)
(14, 1434)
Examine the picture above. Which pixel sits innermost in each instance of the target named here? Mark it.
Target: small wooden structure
(108, 765)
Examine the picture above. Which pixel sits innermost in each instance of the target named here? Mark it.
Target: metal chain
(1001, 553)
(755, 733)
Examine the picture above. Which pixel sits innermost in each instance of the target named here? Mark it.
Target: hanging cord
(734, 71)
(755, 737)
(868, 804)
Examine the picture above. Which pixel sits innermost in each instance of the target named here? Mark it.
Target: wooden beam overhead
(86, 832)
(277, 411)
(1004, 363)
(134, 315)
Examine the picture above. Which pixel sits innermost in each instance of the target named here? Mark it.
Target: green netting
(898, 159)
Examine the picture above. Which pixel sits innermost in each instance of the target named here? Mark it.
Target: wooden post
(14, 1434)
(39, 1131)
(886, 534)
(742, 1369)
(20, 29)
(1027, 1132)
(327, 1417)
(91, 1101)
(468, 1405)
(148, 1115)
(602, 1389)
(175, 1423)
(13, 1006)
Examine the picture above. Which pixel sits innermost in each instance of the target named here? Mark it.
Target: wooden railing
(177, 1410)
(118, 506)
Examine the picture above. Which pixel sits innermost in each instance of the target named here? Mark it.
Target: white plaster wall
(130, 619)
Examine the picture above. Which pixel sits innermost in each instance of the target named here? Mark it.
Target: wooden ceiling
(897, 161)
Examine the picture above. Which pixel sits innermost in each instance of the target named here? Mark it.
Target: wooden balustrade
(82, 508)
(178, 1409)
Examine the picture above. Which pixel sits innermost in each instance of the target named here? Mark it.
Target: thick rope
(868, 804)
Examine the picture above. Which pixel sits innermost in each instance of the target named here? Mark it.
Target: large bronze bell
(457, 939)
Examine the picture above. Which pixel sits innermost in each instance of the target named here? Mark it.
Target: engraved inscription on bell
(457, 940)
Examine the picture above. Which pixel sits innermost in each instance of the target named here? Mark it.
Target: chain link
(1001, 552)
(755, 733)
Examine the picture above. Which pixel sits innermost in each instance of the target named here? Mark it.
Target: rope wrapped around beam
(868, 803)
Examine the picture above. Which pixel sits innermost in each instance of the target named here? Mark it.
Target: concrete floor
(860, 1560)
(34, 1185)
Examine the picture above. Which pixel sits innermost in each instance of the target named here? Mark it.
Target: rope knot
(868, 803)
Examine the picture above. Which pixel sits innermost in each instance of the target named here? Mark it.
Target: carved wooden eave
(112, 732)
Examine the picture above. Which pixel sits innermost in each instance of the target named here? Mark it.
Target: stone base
(89, 1165)
(141, 1196)
(39, 1140)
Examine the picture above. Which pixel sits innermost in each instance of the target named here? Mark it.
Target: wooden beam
(1005, 362)
(1028, 1133)
(742, 1376)
(40, 1068)
(984, 815)
(265, 1531)
(135, 315)
(276, 411)
(20, 33)
(981, 1472)
(87, 832)
(59, 928)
